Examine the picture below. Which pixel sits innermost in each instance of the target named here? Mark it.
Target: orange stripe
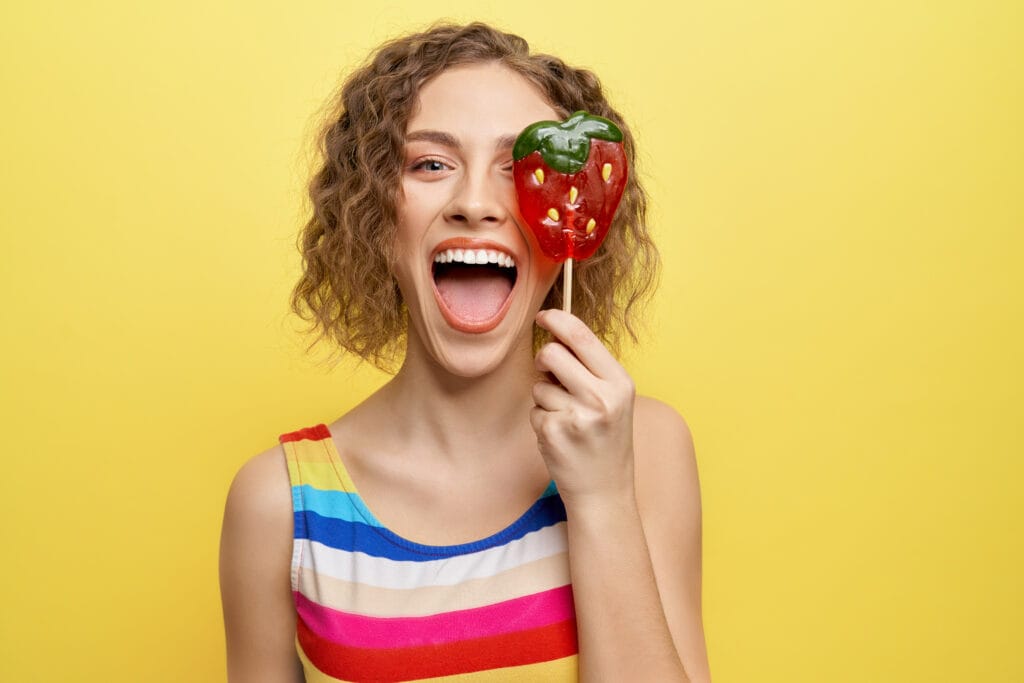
(309, 433)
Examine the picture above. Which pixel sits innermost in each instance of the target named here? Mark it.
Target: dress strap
(313, 461)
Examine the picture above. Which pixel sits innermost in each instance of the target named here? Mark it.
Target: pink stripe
(519, 614)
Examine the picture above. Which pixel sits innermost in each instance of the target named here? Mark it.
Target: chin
(472, 365)
(478, 355)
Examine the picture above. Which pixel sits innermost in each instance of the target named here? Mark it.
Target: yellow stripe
(311, 451)
(558, 671)
(358, 598)
(293, 465)
(325, 476)
(318, 464)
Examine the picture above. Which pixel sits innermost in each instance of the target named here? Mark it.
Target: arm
(668, 494)
(255, 552)
(628, 629)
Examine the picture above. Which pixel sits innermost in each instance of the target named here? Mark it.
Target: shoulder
(260, 491)
(257, 515)
(256, 535)
(666, 465)
(255, 572)
(650, 414)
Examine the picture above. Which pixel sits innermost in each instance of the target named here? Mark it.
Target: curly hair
(346, 292)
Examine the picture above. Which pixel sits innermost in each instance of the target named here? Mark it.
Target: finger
(566, 368)
(537, 417)
(579, 339)
(551, 397)
(546, 427)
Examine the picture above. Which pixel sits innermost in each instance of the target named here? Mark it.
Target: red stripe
(542, 644)
(317, 433)
(356, 630)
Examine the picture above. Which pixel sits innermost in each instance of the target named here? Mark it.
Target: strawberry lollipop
(569, 177)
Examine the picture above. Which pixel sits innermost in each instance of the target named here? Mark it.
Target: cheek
(417, 208)
(414, 219)
(410, 229)
(549, 273)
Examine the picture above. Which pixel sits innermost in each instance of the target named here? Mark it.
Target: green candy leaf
(565, 145)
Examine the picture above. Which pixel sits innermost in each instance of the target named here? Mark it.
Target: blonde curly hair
(346, 292)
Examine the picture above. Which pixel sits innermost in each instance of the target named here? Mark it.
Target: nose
(479, 200)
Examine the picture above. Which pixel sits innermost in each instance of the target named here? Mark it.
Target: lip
(476, 326)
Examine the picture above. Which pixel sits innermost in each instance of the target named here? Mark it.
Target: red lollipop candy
(569, 178)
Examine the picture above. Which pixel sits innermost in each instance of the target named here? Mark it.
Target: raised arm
(633, 511)
(255, 554)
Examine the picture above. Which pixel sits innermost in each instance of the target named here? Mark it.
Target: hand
(584, 416)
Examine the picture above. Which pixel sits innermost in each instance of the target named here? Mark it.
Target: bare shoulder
(257, 520)
(255, 571)
(665, 459)
(260, 492)
(652, 414)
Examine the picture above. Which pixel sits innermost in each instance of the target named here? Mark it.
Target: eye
(430, 165)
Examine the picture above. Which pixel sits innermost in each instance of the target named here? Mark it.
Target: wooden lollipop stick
(567, 286)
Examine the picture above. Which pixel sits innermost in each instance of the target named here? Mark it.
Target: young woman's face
(469, 269)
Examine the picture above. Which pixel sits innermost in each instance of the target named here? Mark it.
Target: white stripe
(448, 571)
(371, 601)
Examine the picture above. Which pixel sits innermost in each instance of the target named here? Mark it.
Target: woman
(411, 554)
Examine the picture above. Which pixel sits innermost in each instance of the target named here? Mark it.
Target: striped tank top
(373, 606)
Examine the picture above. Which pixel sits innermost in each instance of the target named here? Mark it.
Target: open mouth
(474, 286)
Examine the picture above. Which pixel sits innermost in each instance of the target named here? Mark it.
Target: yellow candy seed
(606, 171)
(573, 192)
(539, 175)
(553, 214)
(591, 224)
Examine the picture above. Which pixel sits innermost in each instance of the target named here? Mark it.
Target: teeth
(475, 256)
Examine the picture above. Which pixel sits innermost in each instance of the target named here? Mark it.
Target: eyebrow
(449, 140)
(507, 141)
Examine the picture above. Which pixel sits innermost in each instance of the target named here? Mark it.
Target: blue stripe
(357, 536)
(337, 504)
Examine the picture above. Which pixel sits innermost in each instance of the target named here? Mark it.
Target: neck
(460, 418)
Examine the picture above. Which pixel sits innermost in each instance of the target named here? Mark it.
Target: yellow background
(837, 190)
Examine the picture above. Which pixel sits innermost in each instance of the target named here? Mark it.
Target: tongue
(473, 293)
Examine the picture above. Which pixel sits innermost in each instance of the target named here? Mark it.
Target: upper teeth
(474, 256)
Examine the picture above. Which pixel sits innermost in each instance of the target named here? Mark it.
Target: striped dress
(373, 606)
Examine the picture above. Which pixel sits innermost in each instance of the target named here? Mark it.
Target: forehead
(479, 99)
